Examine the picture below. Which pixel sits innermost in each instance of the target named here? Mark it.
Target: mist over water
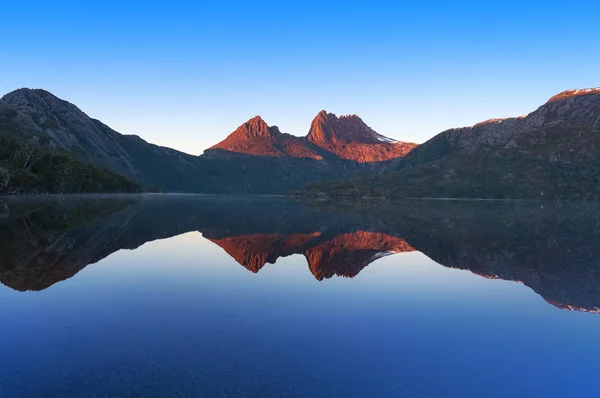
(187, 295)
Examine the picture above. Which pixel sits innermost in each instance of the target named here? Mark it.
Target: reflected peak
(551, 249)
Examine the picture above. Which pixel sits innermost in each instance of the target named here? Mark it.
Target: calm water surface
(160, 296)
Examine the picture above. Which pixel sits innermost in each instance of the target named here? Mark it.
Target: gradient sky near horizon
(186, 74)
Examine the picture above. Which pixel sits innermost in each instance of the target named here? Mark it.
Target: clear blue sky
(186, 74)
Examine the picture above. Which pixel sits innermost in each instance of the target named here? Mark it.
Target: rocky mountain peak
(257, 138)
(329, 128)
(24, 93)
(42, 112)
(350, 138)
(36, 98)
(256, 127)
(65, 127)
(346, 137)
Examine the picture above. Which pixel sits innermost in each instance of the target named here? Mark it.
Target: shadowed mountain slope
(59, 125)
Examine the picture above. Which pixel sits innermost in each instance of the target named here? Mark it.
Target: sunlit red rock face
(345, 255)
(257, 138)
(346, 137)
(350, 138)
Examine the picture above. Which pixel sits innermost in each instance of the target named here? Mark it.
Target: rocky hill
(59, 125)
(551, 153)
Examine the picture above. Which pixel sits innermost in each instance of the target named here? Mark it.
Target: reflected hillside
(343, 255)
(47, 241)
(550, 248)
(42, 243)
(347, 254)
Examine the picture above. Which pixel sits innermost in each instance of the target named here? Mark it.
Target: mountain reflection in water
(549, 247)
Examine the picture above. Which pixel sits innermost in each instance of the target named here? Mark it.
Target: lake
(207, 296)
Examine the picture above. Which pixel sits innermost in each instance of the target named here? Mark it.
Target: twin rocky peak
(346, 137)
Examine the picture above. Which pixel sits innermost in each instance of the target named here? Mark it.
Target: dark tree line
(27, 168)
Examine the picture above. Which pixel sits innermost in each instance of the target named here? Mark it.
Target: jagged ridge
(344, 137)
(257, 138)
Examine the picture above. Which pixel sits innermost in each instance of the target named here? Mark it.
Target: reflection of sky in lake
(179, 316)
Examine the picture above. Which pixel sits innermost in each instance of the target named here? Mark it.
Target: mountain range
(256, 158)
(551, 153)
(554, 152)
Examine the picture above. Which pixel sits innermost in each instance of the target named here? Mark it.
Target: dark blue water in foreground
(180, 317)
